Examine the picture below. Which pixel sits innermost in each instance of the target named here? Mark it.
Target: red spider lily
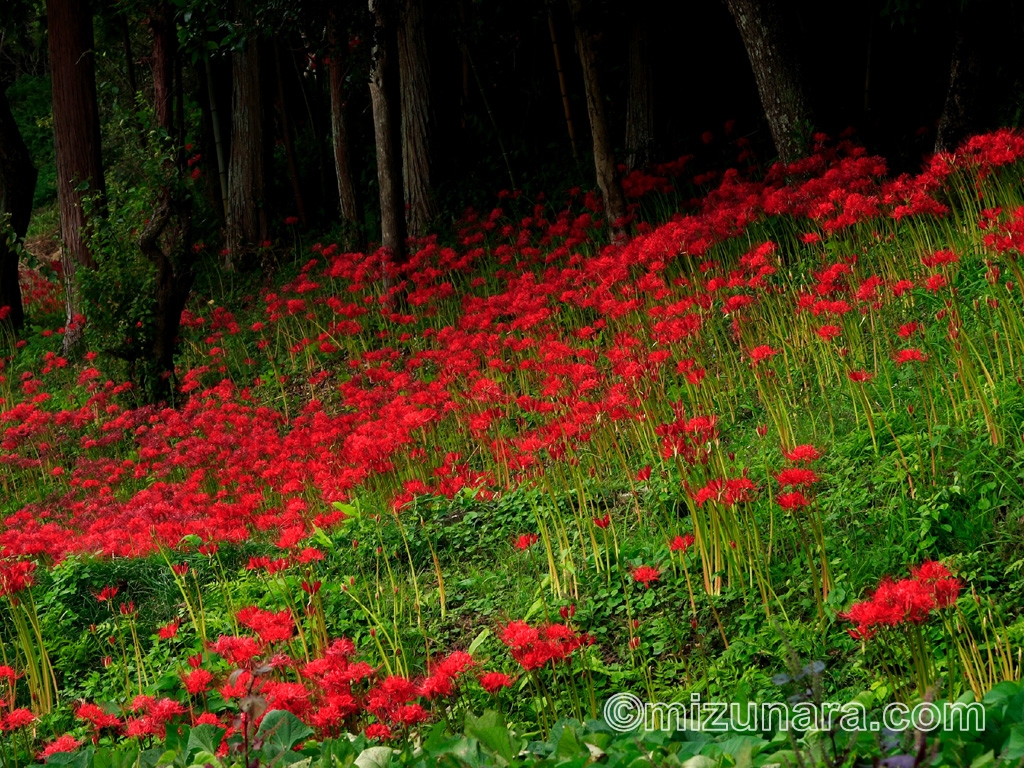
(197, 681)
(645, 574)
(860, 377)
(796, 476)
(492, 682)
(762, 353)
(682, 543)
(793, 500)
(377, 732)
(65, 743)
(16, 576)
(802, 453)
(17, 718)
(535, 647)
(527, 540)
(269, 626)
(908, 330)
(912, 355)
(908, 601)
(168, 631)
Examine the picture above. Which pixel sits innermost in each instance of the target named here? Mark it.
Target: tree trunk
(166, 239)
(347, 201)
(76, 139)
(246, 214)
(640, 99)
(392, 222)
(17, 187)
(967, 83)
(777, 72)
(165, 44)
(562, 89)
(417, 120)
(604, 157)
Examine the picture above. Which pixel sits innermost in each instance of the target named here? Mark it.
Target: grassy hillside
(771, 445)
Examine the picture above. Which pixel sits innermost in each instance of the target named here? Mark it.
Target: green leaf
(374, 757)
(490, 730)
(204, 738)
(478, 640)
(282, 730)
(80, 759)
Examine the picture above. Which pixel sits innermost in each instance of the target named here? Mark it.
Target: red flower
(527, 540)
(909, 356)
(796, 476)
(681, 543)
(169, 630)
(492, 682)
(802, 453)
(762, 353)
(645, 574)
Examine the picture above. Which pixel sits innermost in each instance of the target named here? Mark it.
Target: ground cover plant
(767, 446)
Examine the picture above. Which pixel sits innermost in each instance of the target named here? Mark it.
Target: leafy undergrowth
(542, 469)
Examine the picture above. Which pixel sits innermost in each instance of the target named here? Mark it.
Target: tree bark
(17, 187)
(640, 138)
(76, 138)
(778, 74)
(165, 45)
(347, 200)
(967, 86)
(562, 89)
(246, 214)
(604, 157)
(392, 220)
(417, 120)
(166, 240)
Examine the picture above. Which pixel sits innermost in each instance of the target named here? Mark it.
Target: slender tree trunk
(347, 200)
(640, 137)
(604, 157)
(165, 44)
(389, 170)
(561, 85)
(17, 187)
(76, 138)
(967, 86)
(246, 214)
(778, 74)
(417, 120)
(215, 128)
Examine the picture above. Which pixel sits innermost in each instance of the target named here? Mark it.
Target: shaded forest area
(181, 129)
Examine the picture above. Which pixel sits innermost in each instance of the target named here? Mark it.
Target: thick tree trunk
(347, 201)
(76, 138)
(389, 179)
(967, 85)
(777, 72)
(166, 239)
(165, 45)
(17, 187)
(604, 157)
(417, 120)
(246, 214)
(640, 137)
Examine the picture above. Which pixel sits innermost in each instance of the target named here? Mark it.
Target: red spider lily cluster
(145, 474)
(536, 647)
(333, 693)
(931, 587)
